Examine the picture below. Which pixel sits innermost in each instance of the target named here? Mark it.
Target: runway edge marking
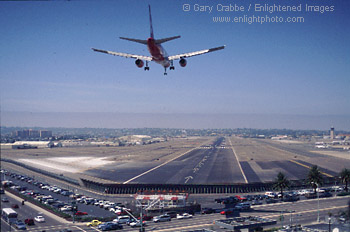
(239, 164)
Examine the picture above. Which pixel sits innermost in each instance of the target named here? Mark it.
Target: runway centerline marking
(160, 165)
(239, 164)
(306, 166)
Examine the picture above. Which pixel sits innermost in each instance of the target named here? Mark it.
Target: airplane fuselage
(158, 53)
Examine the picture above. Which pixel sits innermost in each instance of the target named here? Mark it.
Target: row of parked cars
(136, 222)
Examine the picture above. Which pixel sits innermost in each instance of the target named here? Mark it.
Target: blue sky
(47, 64)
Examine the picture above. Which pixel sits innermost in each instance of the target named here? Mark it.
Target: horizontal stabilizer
(159, 41)
(142, 41)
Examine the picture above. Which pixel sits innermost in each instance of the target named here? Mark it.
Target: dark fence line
(114, 188)
(50, 174)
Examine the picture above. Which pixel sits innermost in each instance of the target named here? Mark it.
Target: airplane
(158, 54)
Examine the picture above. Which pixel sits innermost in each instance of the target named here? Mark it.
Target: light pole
(291, 217)
(318, 201)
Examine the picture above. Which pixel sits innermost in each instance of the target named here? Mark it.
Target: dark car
(326, 194)
(112, 226)
(290, 198)
(270, 201)
(207, 211)
(172, 214)
(29, 221)
(15, 206)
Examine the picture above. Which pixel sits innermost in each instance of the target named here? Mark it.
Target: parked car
(226, 212)
(29, 222)
(66, 208)
(39, 218)
(256, 202)
(207, 211)
(270, 194)
(80, 213)
(162, 218)
(270, 201)
(243, 206)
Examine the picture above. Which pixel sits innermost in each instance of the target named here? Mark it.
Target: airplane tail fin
(150, 21)
(159, 41)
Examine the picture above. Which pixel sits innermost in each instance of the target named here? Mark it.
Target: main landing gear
(146, 67)
(171, 65)
(165, 71)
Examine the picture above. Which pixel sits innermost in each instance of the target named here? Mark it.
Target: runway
(196, 160)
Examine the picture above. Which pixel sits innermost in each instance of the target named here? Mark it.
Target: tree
(314, 177)
(345, 177)
(281, 182)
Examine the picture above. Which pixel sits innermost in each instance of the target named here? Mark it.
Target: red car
(241, 198)
(29, 222)
(79, 213)
(15, 206)
(226, 212)
(146, 218)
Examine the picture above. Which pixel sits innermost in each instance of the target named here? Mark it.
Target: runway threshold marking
(239, 164)
(306, 166)
(160, 165)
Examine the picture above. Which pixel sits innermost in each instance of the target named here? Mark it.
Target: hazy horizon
(176, 120)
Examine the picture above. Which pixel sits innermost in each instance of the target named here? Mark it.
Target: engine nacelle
(182, 62)
(139, 63)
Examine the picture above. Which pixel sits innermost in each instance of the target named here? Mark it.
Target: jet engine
(182, 62)
(139, 63)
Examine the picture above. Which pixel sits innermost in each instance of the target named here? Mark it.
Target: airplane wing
(126, 55)
(184, 55)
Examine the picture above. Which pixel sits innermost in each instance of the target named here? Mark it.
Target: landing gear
(146, 67)
(171, 65)
(165, 71)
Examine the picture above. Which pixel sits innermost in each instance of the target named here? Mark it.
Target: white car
(39, 219)
(122, 219)
(137, 224)
(184, 216)
(66, 208)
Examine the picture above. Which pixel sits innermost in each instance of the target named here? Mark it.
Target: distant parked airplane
(158, 54)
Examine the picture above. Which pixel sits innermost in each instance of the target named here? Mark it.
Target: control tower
(332, 133)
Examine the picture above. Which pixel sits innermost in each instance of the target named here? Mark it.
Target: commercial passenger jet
(158, 54)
